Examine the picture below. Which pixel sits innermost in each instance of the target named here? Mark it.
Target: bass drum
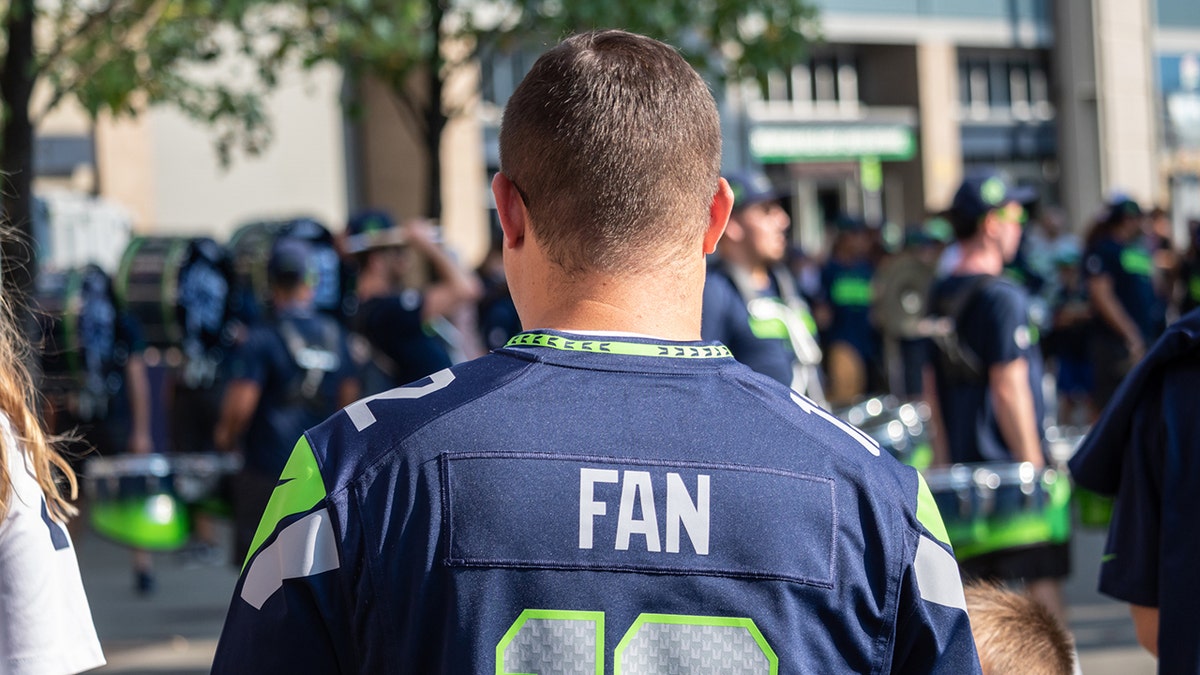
(250, 247)
(78, 315)
(178, 288)
(1001, 506)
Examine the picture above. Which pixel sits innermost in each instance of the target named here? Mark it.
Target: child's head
(1015, 635)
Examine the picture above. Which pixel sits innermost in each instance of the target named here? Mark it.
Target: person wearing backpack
(292, 371)
(983, 380)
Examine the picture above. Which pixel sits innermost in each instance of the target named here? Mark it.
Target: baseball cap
(289, 260)
(1123, 207)
(979, 194)
(752, 187)
(983, 192)
(848, 223)
(371, 229)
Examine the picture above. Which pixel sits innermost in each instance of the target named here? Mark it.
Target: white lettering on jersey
(812, 409)
(693, 515)
(636, 487)
(361, 415)
(589, 508)
(637, 493)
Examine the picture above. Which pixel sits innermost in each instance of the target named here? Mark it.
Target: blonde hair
(19, 401)
(1016, 635)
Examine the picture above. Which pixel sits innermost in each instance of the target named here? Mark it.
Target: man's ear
(510, 207)
(718, 215)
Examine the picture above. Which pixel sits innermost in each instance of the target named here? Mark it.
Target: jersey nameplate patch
(550, 511)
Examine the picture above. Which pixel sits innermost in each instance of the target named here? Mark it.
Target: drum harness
(791, 312)
(315, 358)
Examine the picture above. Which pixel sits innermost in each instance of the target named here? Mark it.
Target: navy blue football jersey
(995, 326)
(587, 504)
(1143, 449)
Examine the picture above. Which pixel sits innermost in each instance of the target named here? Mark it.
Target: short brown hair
(1016, 635)
(614, 142)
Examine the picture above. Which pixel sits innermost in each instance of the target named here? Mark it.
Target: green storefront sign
(825, 142)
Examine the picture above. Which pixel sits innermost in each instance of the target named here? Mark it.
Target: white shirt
(45, 622)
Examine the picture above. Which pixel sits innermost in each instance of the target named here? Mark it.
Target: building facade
(1077, 99)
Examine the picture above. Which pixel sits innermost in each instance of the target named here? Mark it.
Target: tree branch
(60, 47)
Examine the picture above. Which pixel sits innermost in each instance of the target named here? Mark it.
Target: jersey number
(545, 641)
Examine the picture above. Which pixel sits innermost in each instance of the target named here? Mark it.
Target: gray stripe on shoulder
(937, 575)
(302, 549)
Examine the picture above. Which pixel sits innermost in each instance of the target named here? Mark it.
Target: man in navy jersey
(751, 302)
(606, 493)
(1143, 450)
(984, 385)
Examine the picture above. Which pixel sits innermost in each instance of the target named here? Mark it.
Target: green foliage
(117, 56)
(391, 40)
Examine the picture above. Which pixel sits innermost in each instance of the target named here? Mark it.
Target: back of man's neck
(979, 259)
(624, 305)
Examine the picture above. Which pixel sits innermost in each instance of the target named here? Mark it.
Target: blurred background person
(843, 313)
(292, 371)
(1070, 326)
(1118, 272)
(109, 414)
(495, 314)
(1144, 451)
(45, 621)
(899, 304)
(984, 382)
(398, 320)
(1157, 239)
(1189, 271)
(751, 302)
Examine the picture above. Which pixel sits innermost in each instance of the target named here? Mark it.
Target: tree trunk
(435, 116)
(16, 155)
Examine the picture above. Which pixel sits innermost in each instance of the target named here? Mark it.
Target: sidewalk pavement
(174, 631)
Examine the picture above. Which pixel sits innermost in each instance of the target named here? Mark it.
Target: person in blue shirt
(107, 410)
(292, 371)
(1143, 451)
(852, 348)
(1118, 272)
(607, 493)
(987, 398)
(398, 321)
(1189, 270)
(751, 301)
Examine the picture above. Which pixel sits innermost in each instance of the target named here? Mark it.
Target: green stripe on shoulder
(927, 512)
(300, 488)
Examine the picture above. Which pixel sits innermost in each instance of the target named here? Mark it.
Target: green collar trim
(605, 346)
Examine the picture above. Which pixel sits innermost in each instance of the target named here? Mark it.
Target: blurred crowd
(187, 376)
(1100, 292)
(230, 351)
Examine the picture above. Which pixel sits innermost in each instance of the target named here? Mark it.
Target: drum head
(250, 249)
(203, 307)
(155, 522)
(1000, 506)
(79, 318)
(327, 291)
